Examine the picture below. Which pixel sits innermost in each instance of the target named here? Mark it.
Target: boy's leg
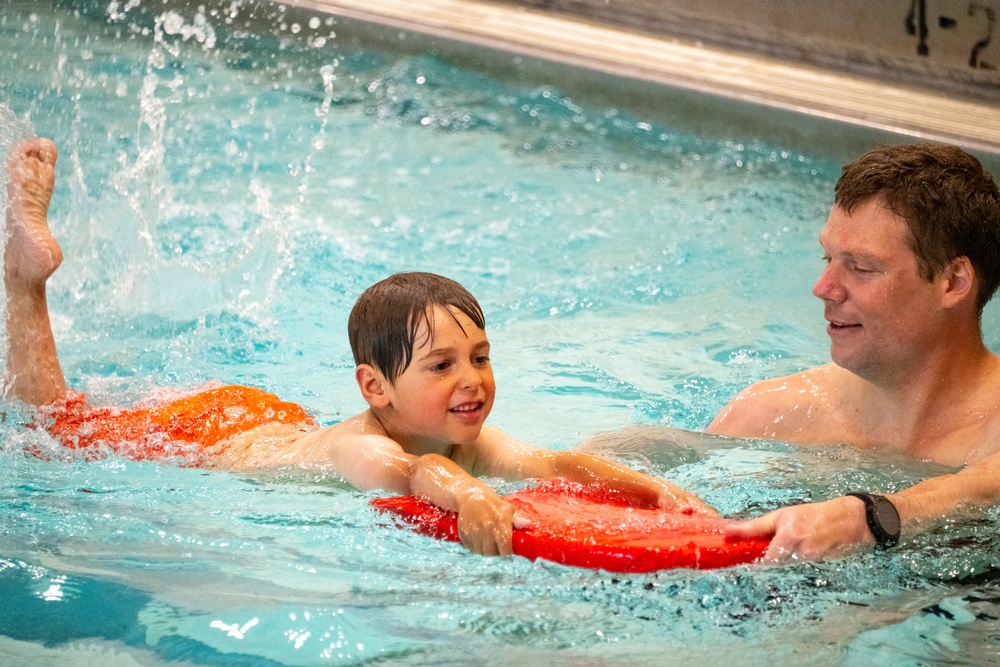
(32, 255)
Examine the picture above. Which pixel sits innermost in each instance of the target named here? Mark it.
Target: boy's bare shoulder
(325, 445)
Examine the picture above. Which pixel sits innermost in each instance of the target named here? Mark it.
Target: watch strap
(885, 536)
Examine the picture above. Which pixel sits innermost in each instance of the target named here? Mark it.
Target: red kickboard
(594, 527)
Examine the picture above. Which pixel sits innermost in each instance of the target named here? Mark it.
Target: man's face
(447, 391)
(882, 314)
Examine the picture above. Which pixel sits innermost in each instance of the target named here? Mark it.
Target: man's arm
(500, 455)
(837, 527)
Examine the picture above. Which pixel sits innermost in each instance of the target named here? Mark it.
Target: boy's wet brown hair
(384, 322)
(950, 203)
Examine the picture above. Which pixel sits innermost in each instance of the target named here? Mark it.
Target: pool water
(225, 194)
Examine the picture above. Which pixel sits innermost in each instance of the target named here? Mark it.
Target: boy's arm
(484, 519)
(837, 527)
(371, 461)
(500, 455)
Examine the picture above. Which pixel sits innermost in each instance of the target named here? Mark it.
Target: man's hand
(485, 523)
(814, 531)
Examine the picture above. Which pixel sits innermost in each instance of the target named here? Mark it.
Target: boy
(423, 367)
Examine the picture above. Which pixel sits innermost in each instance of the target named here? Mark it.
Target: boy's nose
(470, 376)
(473, 377)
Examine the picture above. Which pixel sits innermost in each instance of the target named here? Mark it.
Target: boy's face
(445, 394)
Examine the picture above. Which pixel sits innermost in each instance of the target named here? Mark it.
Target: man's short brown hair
(949, 201)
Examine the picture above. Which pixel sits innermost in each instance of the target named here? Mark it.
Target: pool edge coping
(669, 61)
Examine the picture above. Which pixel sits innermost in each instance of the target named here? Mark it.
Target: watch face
(887, 516)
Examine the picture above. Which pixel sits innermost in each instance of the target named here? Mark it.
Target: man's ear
(960, 282)
(373, 386)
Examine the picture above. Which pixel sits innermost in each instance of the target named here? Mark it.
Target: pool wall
(504, 33)
(951, 45)
(706, 91)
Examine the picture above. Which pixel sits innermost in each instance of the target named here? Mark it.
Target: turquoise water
(224, 196)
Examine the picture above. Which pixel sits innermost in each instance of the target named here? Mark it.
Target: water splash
(12, 130)
(143, 278)
(328, 73)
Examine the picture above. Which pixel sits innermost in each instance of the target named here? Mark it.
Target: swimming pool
(224, 198)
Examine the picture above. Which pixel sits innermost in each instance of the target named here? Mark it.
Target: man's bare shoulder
(801, 407)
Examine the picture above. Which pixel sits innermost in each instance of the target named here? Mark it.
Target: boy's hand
(485, 523)
(672, 496)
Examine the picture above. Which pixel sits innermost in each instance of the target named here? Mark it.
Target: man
(912, 251)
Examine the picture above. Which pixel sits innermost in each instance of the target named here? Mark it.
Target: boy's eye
(482, 359)
(440, 366)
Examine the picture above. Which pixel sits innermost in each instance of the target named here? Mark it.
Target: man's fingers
(761, 527)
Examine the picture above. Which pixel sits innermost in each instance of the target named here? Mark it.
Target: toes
(43, 150)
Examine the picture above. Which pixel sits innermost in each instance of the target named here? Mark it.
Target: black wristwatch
(882, 518)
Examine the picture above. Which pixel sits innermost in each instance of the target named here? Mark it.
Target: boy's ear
(373, 386)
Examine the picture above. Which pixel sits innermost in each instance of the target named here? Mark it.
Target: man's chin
(853, 363)
(842, 357)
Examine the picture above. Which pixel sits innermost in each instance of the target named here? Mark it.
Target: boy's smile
(445, 394)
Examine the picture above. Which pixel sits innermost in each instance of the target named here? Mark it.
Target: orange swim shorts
(200, 420)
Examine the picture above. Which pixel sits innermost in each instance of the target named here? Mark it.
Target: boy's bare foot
(32, 253)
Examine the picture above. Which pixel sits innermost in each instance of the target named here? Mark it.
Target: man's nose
(829, 287)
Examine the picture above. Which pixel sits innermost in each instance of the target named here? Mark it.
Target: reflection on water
(181, 563)
(225, 193)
